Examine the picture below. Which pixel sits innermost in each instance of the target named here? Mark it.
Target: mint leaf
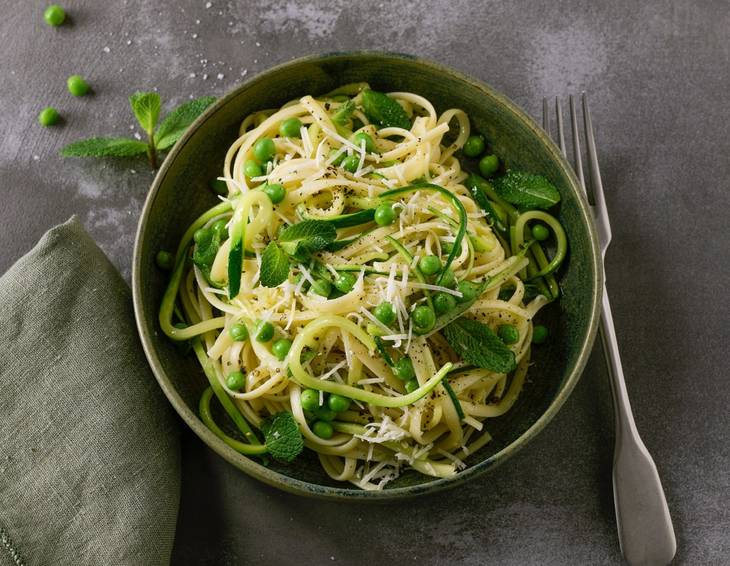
(477, 344)
(307, 237)
(146, 107)
(205, 252)
(176, 122)
(526, 190)
(274, 266)
(342, 115)
(104, 147)
(383, 110)
(282, 436)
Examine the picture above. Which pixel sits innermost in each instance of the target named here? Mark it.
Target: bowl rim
(301, 487)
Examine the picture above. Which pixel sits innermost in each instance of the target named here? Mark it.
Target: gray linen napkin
(89, 449)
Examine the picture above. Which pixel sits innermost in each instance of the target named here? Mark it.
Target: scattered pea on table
(54, 15)
(48, 117)
(77, 85)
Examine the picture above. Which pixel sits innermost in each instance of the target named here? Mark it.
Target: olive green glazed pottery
(180, 193)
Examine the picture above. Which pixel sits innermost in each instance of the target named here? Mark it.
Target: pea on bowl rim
(300, 487)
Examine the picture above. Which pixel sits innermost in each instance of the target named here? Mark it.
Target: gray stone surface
(658, 77)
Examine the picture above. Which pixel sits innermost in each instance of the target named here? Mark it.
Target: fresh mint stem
(151, 151)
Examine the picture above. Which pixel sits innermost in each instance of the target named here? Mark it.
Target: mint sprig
(146, 107)
(295, 243)
(105, 147)
(477, 344)
(176, 122)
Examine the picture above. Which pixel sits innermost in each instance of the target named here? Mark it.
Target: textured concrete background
(658, 78)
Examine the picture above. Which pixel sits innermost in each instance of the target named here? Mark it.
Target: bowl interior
(180, 194)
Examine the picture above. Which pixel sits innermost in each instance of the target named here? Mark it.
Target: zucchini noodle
(408, 233)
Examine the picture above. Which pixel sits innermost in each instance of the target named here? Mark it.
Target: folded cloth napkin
(89, 448)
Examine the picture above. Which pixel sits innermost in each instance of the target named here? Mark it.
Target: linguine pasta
(430, 411)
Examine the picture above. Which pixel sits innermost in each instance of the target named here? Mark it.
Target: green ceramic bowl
(179, 194)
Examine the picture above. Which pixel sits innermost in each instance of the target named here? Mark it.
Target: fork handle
(645, 530)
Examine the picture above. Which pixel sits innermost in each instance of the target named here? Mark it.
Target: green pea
(235, 381)
(276, 192)
(291, 128)
(385, 313)
(403, 369)
(429, 265)
(54, 15)
(345, 282)
(323, 429)
(322, 287)
(310, 399)
(351, 163)
(220, 229)
(540, 232)
(338, 403)
(508, 333)
(448, 279)
(444, 302)
(325, 413)
(412, 385)
(340, 153)
(361, 137)
(264, 149)
(252, 169)
(539, 334)
(468, 291)
(384, 214)
(280, 348)
(164, 260)
(48, 116)
(218, 186)
(424, 319)
(488, 165)
(77, 85)
(264, 331)
(238, 332)
(202, 235)
(474, 146)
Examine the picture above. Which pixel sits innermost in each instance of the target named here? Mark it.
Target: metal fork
(645, 530)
